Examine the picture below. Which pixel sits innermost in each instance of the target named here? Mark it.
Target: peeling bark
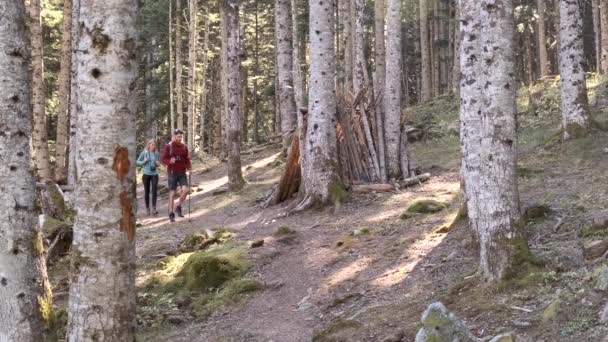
(102, 291)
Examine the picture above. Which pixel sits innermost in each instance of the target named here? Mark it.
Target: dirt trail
(361, 272)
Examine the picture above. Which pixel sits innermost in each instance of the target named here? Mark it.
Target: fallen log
(385, 187)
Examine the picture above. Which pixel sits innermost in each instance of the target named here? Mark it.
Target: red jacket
(179, 151)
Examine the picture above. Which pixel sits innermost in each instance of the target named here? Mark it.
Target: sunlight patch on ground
(416, 252)
(260, 163)
(348, 272)
(384, 215)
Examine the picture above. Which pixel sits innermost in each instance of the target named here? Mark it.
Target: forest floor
(364, 272)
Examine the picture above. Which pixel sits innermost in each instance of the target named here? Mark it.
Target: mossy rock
(231, 293)
(426, 206)
(338, 193)
(53, 226)
(200, 240)
(210, 269)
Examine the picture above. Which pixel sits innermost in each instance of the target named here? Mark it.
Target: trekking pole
(189, 193)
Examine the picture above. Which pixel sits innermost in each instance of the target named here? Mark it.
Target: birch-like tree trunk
(597, 34)
(392, 95)
(171, 71)
(320, 178)
(24, 293)
(574, 103)
(297, 76)
(72, 174)
(425, 59)
(192, 54)
(284, 38)
(347, 20)
(380, 82)
(232, 90)
(179, 94)
(542, 39)
(501, 237)
(457, 43)
(151, 102)
(40, 149)
(61, 161)
(102, 291)
(471, 104)
(204, 89)
(604, 34)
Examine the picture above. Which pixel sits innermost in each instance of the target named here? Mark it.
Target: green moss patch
(201, 240)
(426, 206)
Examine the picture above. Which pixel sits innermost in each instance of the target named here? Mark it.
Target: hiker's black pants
(150, 185)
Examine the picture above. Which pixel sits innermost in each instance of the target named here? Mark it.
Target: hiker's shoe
(148, 211)
(154, 211)
(178, 210)
(172, 217)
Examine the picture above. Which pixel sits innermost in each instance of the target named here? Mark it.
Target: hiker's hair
(151, 141)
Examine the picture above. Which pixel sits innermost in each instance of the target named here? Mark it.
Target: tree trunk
(347, 20)
(457, 41)
(178, 65)
(192, 54)
(218, 108)
(40, 149)
(320, 177)
(471, 104)
(392, 96)
(297, 77)
(256, 66)
(425, 59)
(597, 30)
(61, 161)
(151, 102)
(232, 90)
(102, 290)
(72, 174)
(284, 38)
(604, 34)
(574, 103)
(380, 82)
(24, 292)
(204, 90)
(542, 39)
(501, 237)
(171, 72)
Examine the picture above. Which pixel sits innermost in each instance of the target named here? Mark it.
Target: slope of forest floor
(365, 272)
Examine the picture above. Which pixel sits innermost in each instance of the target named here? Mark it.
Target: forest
(292, 170)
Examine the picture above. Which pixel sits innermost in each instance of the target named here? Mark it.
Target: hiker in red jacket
(177, 159)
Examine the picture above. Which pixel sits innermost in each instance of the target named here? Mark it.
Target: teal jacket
(153, 157)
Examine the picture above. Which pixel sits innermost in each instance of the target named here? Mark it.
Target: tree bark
(204, 89)
(178, 65)
(542, 39)
(72, 174)
(232, 90)
(320, 177)
(425, 59)
(597, 30)
(501, 237)
(151, 102)
(192, 54)
(347, 21)
(604, 34)
(574, 103)
(171, 72)
(40, 149)
(102, 290)
(61, 161)
(284, 39)
(392, 96)
(25, 295)
(297, 77)
(456, 66)
(471, 104)
(380, 82)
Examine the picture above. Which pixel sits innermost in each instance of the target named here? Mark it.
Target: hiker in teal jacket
(150, 160)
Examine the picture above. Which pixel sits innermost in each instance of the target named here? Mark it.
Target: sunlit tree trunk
(604, 34)
(542, 39)
(284, 38)
(204, 88)
(61, 161)
(425, 59)
(151, 102)
(102, 289)
(178, 65)
(297, 77)
(597, 34)
(24, 292)
(232, 90)
(192, 54)
(457, 43)
(72, 174)
(574, 103)
(380, 82)
(171, 71)
(40, 149)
